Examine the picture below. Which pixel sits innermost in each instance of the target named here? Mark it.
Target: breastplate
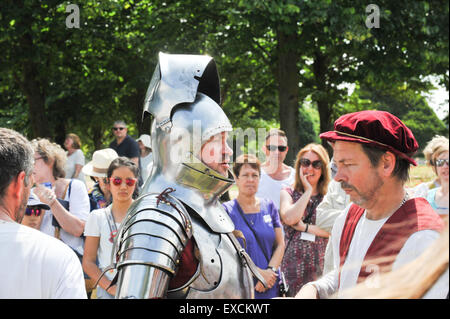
(221, 274)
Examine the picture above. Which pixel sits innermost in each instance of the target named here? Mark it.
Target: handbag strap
(253, 231)
(57, 233)
(111, 222)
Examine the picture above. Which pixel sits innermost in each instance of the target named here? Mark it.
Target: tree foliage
(282, 63)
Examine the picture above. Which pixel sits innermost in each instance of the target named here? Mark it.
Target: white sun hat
(101, 160)
(146, 140)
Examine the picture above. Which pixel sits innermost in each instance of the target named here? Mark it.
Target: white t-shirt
(79, 206)
(270, 188)
(75, 158)
(97, 226)
(37, 266)
(363, 236)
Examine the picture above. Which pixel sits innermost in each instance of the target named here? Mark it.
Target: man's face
(216, 153)
(119, 130)
(276, 148)
(358, 178)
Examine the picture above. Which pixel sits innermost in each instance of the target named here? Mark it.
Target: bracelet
(306, 229)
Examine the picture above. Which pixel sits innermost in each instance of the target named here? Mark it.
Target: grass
(419, 174)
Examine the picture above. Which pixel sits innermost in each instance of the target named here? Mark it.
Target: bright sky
(438, 100)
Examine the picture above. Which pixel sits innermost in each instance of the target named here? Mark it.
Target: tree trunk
(321, 95)
(288, 90)
(28, 80)
(36, 102)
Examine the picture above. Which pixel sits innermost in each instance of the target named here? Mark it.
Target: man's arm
(320, 289)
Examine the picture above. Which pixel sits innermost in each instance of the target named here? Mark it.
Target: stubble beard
(363, 197)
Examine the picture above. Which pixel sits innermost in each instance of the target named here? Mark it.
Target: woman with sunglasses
(436, 192)
(102, 224)
(305, 242)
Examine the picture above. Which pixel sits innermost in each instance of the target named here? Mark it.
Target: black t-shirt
(129, 147)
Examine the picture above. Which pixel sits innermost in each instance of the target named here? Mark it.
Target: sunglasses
(304, 162)
(118, 128)
(441, 162)
(33, 211)
(273, 148)
(117, 181)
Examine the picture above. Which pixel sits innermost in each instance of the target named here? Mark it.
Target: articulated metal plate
(150, 242)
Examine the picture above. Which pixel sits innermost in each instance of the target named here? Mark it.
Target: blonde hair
(435, 147)
(411, 281)
(324, 158)
(51, 153)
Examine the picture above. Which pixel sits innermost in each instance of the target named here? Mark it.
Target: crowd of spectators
(287, 215)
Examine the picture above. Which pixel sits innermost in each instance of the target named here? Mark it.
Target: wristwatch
(273, 269)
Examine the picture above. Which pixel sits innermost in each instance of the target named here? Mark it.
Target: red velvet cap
(375, 128)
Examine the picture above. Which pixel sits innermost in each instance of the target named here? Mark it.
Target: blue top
(263, 223)
(431, 199)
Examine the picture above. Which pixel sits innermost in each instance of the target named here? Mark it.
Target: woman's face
(442, 171)
(122, 184)
(312, 174)
(43, 172)
(103, 184)
(68, 143)
(248, 180)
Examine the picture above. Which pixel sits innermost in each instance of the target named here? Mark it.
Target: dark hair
(401, 169)
(246, 159)
(123, 161)
(16, 155)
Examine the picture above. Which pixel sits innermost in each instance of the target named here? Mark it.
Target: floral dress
(303, 259)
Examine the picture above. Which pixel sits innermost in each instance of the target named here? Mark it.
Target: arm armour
(150, 243)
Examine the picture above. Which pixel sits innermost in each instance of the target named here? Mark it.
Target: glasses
(304, 162)
(33, 211)
(273, 148)
(117, 181)
(118, 128)
(441, 162)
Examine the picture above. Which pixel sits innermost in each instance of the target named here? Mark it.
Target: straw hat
(146, 140)
(101, 160)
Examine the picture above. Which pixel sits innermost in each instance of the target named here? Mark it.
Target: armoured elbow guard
(149, 246)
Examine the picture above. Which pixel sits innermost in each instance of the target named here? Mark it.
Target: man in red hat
(383, 228)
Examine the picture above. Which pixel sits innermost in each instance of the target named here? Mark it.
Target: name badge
(308, 236)
(267, 219)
